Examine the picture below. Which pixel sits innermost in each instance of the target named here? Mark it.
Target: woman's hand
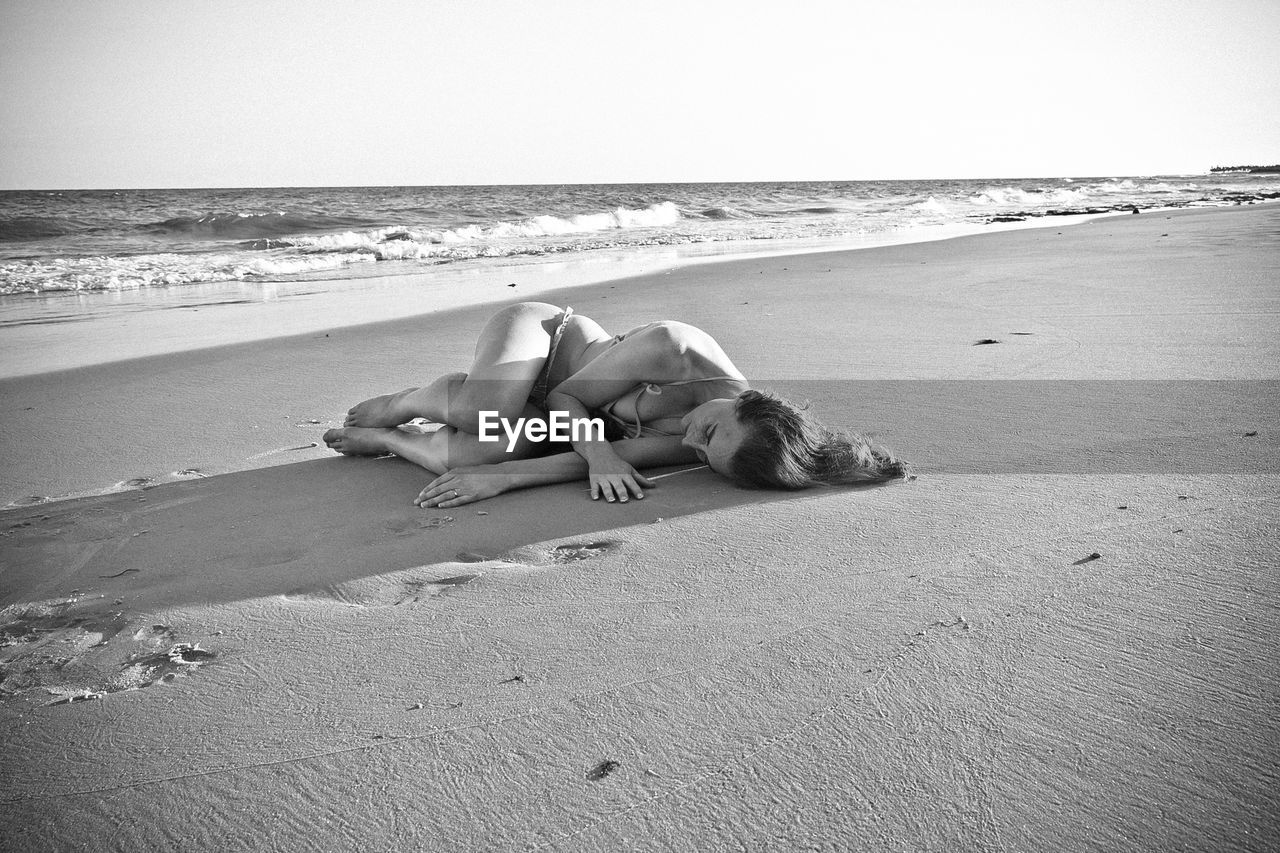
(615, 479)
(464, 485)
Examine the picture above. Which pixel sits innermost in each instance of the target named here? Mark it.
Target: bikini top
(637, 429)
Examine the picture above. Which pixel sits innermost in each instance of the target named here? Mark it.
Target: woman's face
(713, 430)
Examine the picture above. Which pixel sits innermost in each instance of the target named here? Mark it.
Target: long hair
(786, 448)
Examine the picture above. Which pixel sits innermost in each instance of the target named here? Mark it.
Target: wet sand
(269, 645)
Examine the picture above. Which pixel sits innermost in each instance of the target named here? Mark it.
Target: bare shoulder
(681, 337)
(694, 351)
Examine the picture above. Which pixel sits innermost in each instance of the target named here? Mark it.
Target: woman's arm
(609, 474)
(652, 354)
(660, 353)
(477, 482)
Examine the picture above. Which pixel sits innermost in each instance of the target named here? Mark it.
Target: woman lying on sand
(666, 393)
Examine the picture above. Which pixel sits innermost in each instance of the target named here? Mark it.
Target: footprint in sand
(135, 483)
(155, 634)
(25, 628)
(574, 551)
(412, 592)
(75, 656)
(146, 670)
(178, 656)
(410, 526)
(385, 592)
(454, 580)
(533, 555)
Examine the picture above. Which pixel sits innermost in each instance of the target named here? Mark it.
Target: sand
(276, 650)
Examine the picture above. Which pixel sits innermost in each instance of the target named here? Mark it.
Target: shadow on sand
(309, 525)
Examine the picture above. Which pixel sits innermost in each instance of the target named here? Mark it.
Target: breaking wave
(106, 240)
(1018, 197)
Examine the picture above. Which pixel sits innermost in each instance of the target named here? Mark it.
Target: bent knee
(525, 311)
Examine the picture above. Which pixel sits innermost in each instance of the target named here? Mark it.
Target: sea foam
(109, 240)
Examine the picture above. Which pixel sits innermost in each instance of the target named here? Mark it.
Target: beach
(1061, 635)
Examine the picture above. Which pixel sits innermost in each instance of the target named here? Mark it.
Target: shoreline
(42, 336)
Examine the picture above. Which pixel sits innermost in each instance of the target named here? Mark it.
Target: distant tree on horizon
(1272, 168)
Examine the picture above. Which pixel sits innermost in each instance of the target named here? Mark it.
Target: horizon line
(1055, 177)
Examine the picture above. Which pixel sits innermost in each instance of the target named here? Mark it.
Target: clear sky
(179, 93)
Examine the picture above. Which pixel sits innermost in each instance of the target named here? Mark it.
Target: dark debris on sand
(601, 770)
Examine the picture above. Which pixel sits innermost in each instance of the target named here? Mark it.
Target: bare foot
(359, 441)
(389, 410)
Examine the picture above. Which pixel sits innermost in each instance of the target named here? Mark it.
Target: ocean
(86, 241)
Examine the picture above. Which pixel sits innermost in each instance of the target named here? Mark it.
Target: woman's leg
(510, 353)
(439, 451)
(391, 410)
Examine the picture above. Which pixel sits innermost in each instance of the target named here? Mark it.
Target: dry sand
(928, 666)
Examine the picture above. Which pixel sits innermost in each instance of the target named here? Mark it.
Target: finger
(443, 478)
(635, 489)
(445, 491)
(432, 492)
(645, 481)
(595, 490)
(445, 484)
(622, 489)
(617, 492)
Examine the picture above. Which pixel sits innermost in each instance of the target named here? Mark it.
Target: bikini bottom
(542, 385)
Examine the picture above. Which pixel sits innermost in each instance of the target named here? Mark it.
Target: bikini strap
(555, 341)
(656, 388)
